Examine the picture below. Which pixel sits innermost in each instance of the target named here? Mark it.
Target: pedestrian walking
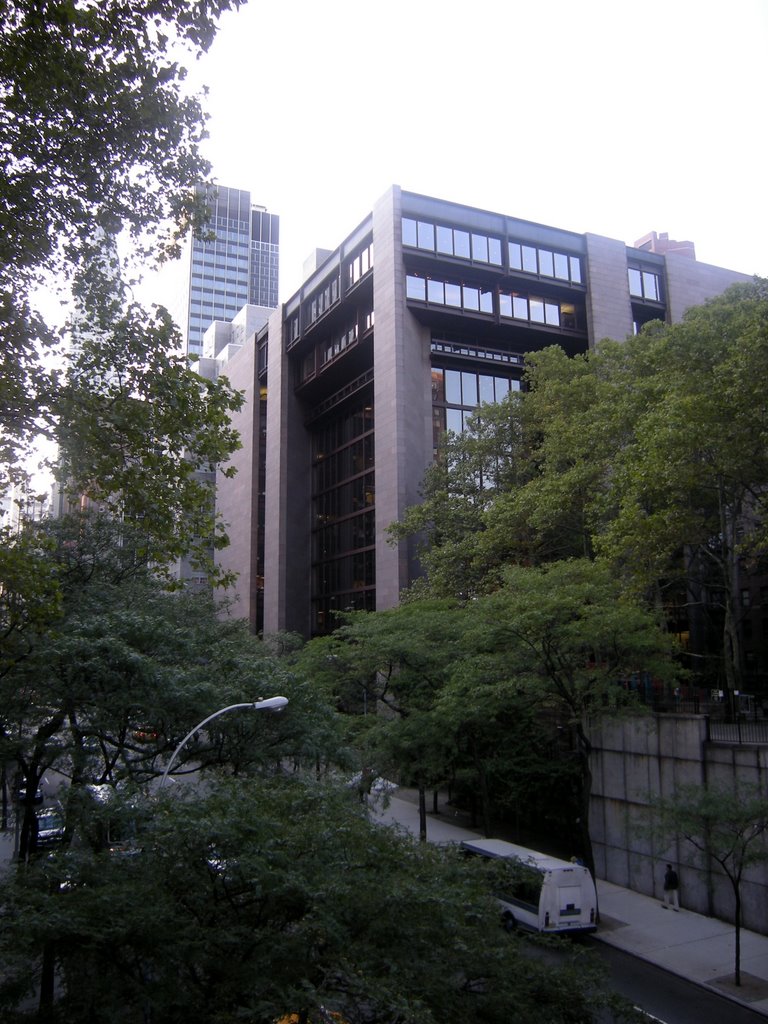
(671, 885)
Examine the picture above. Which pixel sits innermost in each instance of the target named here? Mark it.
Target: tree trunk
(737, 932)
(45, 1008)
(585, 748)
(422, 813)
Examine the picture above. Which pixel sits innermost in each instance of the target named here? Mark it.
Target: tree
(97, 133)
(98, 138)
(727, 827)
(566, 636)
(394, 664)
(128, 669)
(271, 896)
(649, 453)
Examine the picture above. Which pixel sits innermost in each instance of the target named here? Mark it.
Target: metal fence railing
(740, 731)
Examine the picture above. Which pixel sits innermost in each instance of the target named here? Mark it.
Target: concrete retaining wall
(637, 759)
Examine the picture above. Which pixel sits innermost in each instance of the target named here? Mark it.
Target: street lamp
(270, 704)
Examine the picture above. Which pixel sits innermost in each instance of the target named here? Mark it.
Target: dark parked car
(50, 827)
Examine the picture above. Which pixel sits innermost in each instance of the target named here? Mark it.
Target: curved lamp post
(270, 704)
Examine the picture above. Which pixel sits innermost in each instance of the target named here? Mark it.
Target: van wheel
(510, 922)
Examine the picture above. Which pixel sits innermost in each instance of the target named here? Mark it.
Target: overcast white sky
(595, 116)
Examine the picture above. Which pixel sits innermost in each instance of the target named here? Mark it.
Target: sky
(597, 116)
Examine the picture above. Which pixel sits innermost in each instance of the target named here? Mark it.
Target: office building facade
(235, 264)
(423, 312)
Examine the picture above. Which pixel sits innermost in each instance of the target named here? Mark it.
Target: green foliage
(97, 134)
(650, 454)
(109, 688)
(270, 896)
(140, 435)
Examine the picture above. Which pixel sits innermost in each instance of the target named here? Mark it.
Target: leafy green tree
(649, 453)
(100, 137)
(511, 763)
(566, 636)
(97, 133)
(129, 668)
(274, 896)
(695, 481)
(391, 666)
(725, 827)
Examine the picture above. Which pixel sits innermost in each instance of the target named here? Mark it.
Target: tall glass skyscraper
(236, 265)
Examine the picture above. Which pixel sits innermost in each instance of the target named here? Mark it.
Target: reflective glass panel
(453, 294)
(575, 269)
(514, 385)
(486, 302)
(445, 240)
(651, 286)
(409, 231)
(502, 387)
(469, 388)
(426, 236)
(515, 256)
(494, 251)
(453, 387)
(520, 307)
(461, 244)
(453, 420)
(471, 298)
(537, 311)
(486, 389)
(552, 314)
(436, 292)
(561, 266)
(529, 259)
(480, 248)
(546, 263)
(505, 304)
(415, 288)
(635, 282)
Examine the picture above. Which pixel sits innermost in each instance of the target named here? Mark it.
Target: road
(667, 996)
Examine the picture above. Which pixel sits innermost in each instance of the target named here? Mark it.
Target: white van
(554, 896)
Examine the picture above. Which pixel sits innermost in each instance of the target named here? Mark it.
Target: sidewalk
(699, 949)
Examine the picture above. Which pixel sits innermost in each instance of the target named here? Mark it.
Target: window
(644, 283)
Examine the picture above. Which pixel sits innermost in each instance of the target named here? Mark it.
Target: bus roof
(501, 848)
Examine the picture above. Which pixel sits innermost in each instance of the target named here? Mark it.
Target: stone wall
(637, 759)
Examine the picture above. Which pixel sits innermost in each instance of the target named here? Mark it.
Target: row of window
(448, 241)
(474, 351)
(351, 573)
(463, 387)
(359, 265)
(338, 344)
(353, 423)
(449, 293)
(512, 305)
(344, 464)
(356, 532)
(322, 300)
(545, 262)
(480, 248)
(347, 498)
